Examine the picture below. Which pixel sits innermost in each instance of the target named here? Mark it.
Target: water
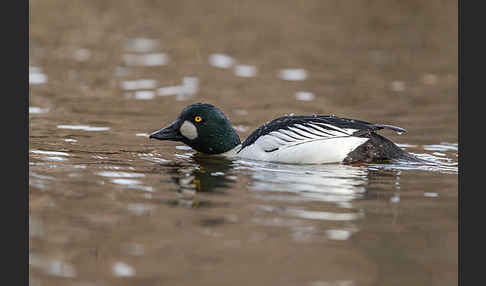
(108, 206)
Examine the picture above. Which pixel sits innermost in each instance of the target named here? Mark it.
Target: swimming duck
(313, 139)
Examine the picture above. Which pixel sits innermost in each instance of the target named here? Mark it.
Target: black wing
(292, 129)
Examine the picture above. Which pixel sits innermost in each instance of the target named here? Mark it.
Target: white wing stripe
(326, 130)
(299, 133)
(280, 139)
(334, 128)
(282, 136)
(319, 133)
(292, 134)
(304, 133)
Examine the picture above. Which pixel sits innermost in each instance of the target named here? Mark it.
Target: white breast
(271, 148)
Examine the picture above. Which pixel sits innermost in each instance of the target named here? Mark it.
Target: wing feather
(282, 136)
(321, 129)
(288, 131)
(291, 134)
(313, 132)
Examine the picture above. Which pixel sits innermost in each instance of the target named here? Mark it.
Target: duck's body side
(332, 150)
(319, 139)
(315, 139)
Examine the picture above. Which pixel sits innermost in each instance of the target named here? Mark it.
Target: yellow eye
(198, 118)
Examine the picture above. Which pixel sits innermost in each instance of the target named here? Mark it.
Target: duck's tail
(399, 130)
(378, 149)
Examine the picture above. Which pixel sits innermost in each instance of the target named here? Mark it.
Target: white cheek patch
(188, 130)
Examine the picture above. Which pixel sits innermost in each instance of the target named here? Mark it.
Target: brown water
(110, 207)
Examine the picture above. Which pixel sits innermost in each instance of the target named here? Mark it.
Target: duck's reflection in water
(201, 174)
(311, 200)
(326, 183)
(332, 183)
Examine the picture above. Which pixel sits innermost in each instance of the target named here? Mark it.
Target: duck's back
(319, 139)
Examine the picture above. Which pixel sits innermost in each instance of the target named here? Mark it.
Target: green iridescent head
(203, 127)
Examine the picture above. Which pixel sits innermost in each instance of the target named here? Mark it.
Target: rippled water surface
(108, 206)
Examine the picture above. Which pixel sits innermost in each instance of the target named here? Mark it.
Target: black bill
(170, 132)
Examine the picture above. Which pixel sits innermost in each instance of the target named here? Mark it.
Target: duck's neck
(228, 141)
(231, 153)
(222, 138)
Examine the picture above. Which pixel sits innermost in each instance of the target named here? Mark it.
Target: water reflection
(138, 84)
(37, 110)
(323, 193)
(154, 59)
(83, 127)
(125, 179)
(50, 155)
(292, 74)
(121, 269)
(304, 96)
(430, 162)
(189, 87)
(140, 53)
(197, 176)
(245, 71)
(140, 45)
(204, 174)
(52, 267)
(327, 183)
(221, 61)
(333, 185)
(82, 55)
(315, 202)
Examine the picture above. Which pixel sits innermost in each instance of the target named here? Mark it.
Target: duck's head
(203, 127)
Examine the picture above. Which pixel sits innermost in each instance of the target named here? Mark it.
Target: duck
(292, 139)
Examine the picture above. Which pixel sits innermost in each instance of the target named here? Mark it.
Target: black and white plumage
(314, 139)
(319, 139)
